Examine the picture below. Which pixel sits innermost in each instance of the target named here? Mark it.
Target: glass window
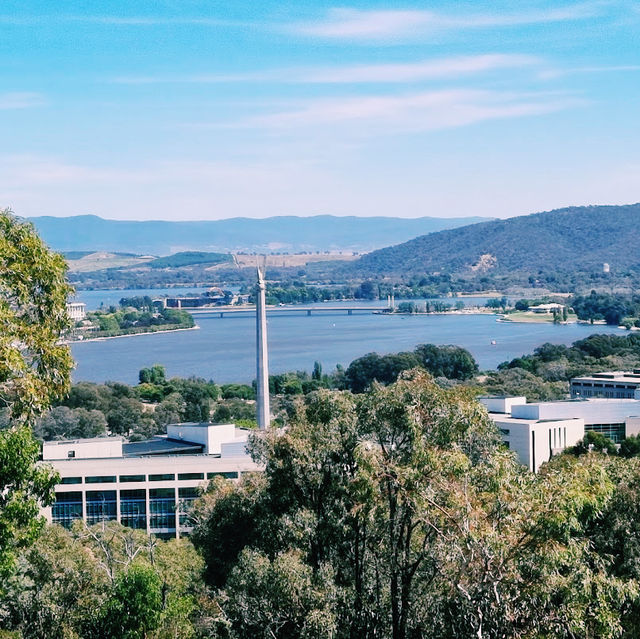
(101, 506)
(163, 477)
(71, 480)
(132, 478)
(183, 476)
(67, 508)
(133, 508)
(101, 479)
(162, 508)
(232, 475)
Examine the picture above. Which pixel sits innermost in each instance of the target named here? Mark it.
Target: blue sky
(185, 109)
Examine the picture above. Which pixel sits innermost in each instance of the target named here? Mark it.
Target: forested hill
(571, 240)
(274, 234)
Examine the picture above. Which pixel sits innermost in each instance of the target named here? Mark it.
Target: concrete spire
(262, 358)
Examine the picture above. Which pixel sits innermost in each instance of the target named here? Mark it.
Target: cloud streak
(416, 112)
(356, 24)
(20, 100)
(558, 73)
(375, 73)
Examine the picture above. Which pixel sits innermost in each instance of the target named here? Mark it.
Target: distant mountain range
(570, 240)
(273, 234)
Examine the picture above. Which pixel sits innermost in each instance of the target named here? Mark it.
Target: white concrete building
(77, 311)
(534, 440)
(610, 384)
(539, 430)
(147, 485)
(547, 308)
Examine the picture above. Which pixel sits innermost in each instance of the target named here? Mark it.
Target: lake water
(223, 349)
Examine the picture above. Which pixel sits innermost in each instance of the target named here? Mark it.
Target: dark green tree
(133, 607)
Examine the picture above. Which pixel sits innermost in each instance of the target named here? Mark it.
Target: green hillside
(555, 244)
(189, 258)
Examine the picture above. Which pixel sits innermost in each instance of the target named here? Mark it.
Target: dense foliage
(613, 309)
(189, 258)
(129, 321)
(105, 582)
(397, 514)
(34, 371)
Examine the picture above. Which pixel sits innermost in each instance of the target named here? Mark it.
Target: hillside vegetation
(189, 258)
(540, 248)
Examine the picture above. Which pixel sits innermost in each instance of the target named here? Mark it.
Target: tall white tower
(262, 358)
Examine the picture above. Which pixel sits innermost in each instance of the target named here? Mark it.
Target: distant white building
(539, 430)
(147, 485)
(610, 384)
(547, 308)
(77, 311)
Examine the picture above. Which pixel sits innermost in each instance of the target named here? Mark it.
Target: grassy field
(102, 260)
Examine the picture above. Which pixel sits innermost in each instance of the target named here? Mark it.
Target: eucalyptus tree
(34, 371)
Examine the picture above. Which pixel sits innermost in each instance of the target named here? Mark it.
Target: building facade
(539, 430)
(612, 385)
(77, 311)
(145, 485)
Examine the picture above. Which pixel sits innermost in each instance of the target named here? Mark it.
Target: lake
(223, 349)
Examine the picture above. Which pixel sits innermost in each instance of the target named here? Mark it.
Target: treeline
(393, 514)
(613, 309)
(398, 514)
(300, 292)
(130, 320)
(106, 582)
(139, 412)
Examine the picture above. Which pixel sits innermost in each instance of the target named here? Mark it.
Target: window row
(127, 479)
(101, 505)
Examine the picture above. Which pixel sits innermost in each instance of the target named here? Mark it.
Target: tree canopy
(397, 513)
(34, 371)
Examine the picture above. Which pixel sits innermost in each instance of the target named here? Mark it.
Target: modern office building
(539, 430)
(612, 385)
(535, 440)
(148, 485)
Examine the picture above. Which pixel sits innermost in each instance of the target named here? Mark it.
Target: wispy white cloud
(380, 73)
(414, 71)
(415, 112)
(358, 24)
(20, 100)
(557, 73)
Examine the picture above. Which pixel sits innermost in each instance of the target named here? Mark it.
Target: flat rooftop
(616, 376)
(505, 418)
(589, 400)
(99, 440)
(160, 446)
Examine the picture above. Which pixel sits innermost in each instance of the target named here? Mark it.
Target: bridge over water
(286, 310)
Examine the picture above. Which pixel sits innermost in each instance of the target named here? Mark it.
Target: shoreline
(102, 339)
